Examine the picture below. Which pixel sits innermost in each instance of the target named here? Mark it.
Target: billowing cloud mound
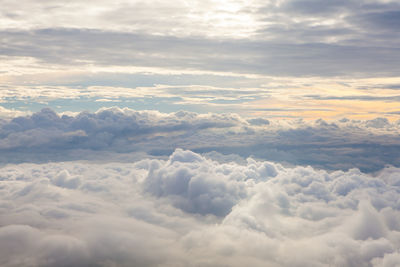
(100, 130)
(196, 185)
(188, 210)
(344, 144)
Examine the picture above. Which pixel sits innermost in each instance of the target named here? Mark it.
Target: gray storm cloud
(257, 213)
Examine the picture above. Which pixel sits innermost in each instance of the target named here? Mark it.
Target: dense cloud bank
(192, 211)
(117, 133)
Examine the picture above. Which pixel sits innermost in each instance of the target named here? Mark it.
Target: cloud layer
(282, 58)
(188, 210)
(121, 187)
(119, 133)
(292, 37)
(77, 47)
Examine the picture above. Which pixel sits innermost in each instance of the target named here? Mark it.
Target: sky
(286, 59)
(200, 133)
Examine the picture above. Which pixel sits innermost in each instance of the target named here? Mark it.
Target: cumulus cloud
(97, 130)
(124, 134)
(188, 210)
(195, 186)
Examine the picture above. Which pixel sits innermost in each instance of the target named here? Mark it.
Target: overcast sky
(328, 59)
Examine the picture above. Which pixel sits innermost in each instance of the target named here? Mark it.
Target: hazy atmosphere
(200, 133)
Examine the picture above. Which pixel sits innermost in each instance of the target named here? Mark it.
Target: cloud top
(190, 210)
(46, 135)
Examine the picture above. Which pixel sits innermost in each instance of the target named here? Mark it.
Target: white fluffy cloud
(188, 210)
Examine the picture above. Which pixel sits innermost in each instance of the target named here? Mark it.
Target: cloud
(392, 98)
(339, 22)
(180, 18)
(316, 7)
(125, 134)
(98, 130)
(382, 20)
(259, 213)
(195, 187)
(279, 38)
(10, 113)
(76, 47)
